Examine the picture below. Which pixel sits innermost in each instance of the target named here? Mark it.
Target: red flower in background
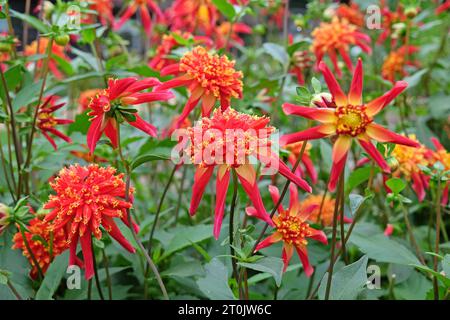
(46, 121)
(324, 216)
(335, 38)
(351, 13)
(169, 42)
(44, 243)
(193, 15)
(395, 63)
(87, 198)
(234, 137)
(222, 32)
(292, 228)
(208, 77)
(295, 150)
(143, 7)
(85, 98)
(443, 156)
(41, 49)
(104, 11)
(393, 24)
(352, 118)
(113, 102)
(443, 7)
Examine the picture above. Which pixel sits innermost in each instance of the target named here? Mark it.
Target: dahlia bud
(393, 163)
(321, 100)
(411, 12)
(48, 8)
(259, 29)
(62, 39)
(4, 216)
(399, 29)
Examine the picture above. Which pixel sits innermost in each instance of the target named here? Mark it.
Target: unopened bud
(4, 216)
(321, 99)
(393, 163)
(411, 12)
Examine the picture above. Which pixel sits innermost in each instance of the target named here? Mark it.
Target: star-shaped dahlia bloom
(208, 77)
(113, 102)
(292, 228)
(336, 38)
(227, 140)
(87, 198)
(350, 119)
(47, 122)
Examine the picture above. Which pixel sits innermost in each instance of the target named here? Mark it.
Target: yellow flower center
(293, 230)
(351, 120)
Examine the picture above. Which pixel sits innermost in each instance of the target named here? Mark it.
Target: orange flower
(56, 50)
(295, 150)
(227, 140)
(335, 38)
(409, 160)
(352, 118)
(292, 228)
(326, 217)
(351, 13)
(222, 32)
(395, 63)
(44, 244)
(85, 98)
(87, 198)
(208, 77)
(162, 56)
(193, 15)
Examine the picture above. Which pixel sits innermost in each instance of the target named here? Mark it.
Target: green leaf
(271, 265)
(383, 249)
(445, 280)
(355, 202)
(446, 265)
(32, 21)
(185, 236)
(347, 282)
(53, 277)
(317, 86)
(215, 284)
(358, 176)
(13, 77)
(396, 185)
(65, 65)
(27, 95)
(147, 158)
(414, 79)
(225, 8)
(277, 52)
(88, 35)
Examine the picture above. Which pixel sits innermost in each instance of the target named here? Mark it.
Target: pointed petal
(111, 132)
(308, 134)
(303, 255)
(111, 227)
(318, 235)
(143, 125)
(208, 102)
(94, 133)
(382, 134)
(310, 168)
(275, 194)
(355, 94)
(288, 174)
(293, 199)
(375, 106)
(341, 147)
(374, 154)
(221, 195)
(288, 250)
(336, 172)
(275, 237)
(201, 179)
(335, 89)
(325, 115)
(146, 20)
(86, 247)
(247, 172)
(125, 17)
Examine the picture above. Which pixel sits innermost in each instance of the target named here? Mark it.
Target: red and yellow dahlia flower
(227, 140)
(193, 16)
(395, 63)
(46, 121)
(87, 198)
(143, 7)
(113, 102)
(351, 118)
(208, 77)
(292, 228)
(335, 38)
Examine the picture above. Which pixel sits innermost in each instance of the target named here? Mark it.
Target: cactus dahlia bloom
(40, 48)
(143, 7)
(46, 121)
(292, 228)
(227, 140)
(295, 150)
(351, 119)
(44, 244)
(87, 198)
(326, 217)
(113, 103)
(395, 63)
(335, 38)
(208, 77)
(409, 160)
(193, 15)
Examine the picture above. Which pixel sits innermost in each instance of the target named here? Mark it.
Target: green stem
(14, 290)
(412, 238)
(108, 276)
(333, 237)
(436, 248)
(231, 228)
(97, 279)
(30, 252)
